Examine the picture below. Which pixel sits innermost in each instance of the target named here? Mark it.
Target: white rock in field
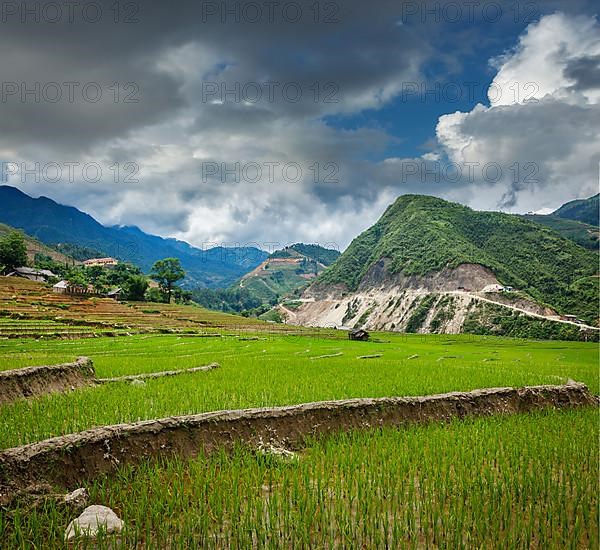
(78, 498)
(138, 383)
(276, 451)
(93, 519)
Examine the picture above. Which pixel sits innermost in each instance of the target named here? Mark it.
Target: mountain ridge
(287, 270)
(283, 275)
(53, 223)
(583, 234)
(425, 252)
(581, 210)
(422, 234)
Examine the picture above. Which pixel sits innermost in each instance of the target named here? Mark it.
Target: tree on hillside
(43, 261)
(13, 251)
(182, 296)
(154, 294)
(120, 274)
(166, 273)
(77, 277)
(136, 287)
(95, 275)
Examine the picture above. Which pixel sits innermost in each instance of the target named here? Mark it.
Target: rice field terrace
(525, 481)
(278, 370)
(522, 481)
(31, 309)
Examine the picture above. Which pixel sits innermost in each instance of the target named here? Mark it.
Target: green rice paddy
(278, 370)
(525, 481)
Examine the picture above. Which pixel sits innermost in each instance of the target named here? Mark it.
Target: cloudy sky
(232, 122)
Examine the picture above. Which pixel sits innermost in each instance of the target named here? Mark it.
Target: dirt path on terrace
(160, 374)
(289, 313)
(31, 382)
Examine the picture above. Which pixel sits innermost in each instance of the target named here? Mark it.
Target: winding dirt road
(554, 318)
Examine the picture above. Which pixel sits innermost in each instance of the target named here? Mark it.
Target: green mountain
(53, 224)
(581, 233)
(289, 269)
(421, 235)
(284, 273)
(314, 252)
(581, 210)
(35, 248)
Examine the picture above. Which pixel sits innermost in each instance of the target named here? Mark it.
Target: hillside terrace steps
(23, 299)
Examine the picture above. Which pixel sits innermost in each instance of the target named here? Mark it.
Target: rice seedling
(527, 481)
(278, 371)
(521, 482)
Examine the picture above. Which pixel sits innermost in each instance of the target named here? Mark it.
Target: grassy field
(278, 370)
(527, 481)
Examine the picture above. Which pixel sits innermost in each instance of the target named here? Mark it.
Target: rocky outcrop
(438, 302)
(473, 277)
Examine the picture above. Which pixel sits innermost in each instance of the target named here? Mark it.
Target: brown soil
(24, 299)
(35, 381)
(69, 460)
(470, 276)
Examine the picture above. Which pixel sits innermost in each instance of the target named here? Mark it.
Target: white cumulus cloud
(542, 127)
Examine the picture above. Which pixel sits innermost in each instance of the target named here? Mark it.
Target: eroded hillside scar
(71, 459)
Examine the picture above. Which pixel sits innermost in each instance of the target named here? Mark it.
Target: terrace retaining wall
(161, 374)
(35, 381)
(72, 459)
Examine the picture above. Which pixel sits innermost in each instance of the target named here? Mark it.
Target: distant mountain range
(53, 223)
(281, 277)
(421, 245)
(428, 264)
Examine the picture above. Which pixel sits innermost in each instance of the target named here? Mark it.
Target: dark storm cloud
(174, 50)
(358, 47)
(585, 71)
(359, 50)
